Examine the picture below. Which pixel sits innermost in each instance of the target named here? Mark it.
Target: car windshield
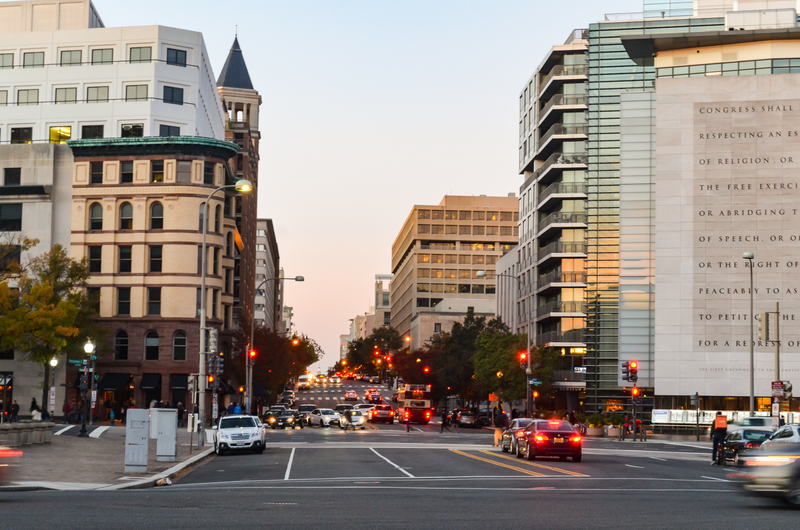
(327, 412)
(554, 425)
(755, 436)
(287, 413)
(305, 408)
(755, 422)
(524, 422)
(356, 412)
(233, 423)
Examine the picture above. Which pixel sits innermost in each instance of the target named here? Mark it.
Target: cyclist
(718, 432)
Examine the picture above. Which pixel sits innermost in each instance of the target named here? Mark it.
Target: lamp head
(53, 362)
(88, 347)
(299, 279)
(243, 186)
(481, 274)
(748, 255)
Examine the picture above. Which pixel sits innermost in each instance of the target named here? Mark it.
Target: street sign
(214, 410)
(94, 395)
(75, 362)
(214, 398)
(777, 389)
(535, 382)
(52, 399)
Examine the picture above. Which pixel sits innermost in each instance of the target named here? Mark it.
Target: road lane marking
(661, 459)
(98, 431)
(495, 463)
(636, 467)
(557, 469)
(392, 463)
(714, 478)
(65, 429)
(289, 465)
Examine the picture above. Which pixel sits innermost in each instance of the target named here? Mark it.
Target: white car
(326, 417)
(364, 408)
(357, 419)
(788, 434)
(237, 432)
(336, 380)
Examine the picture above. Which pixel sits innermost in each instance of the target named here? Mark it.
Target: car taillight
(391, 413)
(575, 439)
(427, 414)
(405, 414)
(751, 444)
(520, 434)
(10, 453)
(541, 438)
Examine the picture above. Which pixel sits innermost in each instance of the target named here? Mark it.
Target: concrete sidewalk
(72, 463)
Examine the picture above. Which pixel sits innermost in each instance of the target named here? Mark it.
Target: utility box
(164, 428)
(137, 430)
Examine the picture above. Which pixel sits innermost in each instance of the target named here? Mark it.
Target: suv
(383, 413)
(238, 431)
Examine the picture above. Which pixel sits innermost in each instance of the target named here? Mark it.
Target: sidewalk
(72, 463)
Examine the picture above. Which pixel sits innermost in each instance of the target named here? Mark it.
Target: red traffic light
(210, 379)
(241, 389)
(634, 365)
(523, 356)
(535, 394)
(252, 354)
(635, 392)
(426, 369)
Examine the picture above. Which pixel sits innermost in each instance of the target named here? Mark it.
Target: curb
(178, 469)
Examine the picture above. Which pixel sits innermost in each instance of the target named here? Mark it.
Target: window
(176, 57)
(505, 216)
(450, 229)
(423, 302)
(216, 261)
(21, 135)
(141, 55)
(154, 300)
(6, 60)
(10, 217)
(450, 215)
(505, 230)
(450, 273)
(92, 131)
(437, 327)
(93, 297)
(33, 60)
(126, 216)
(437, 229)
(121, 346)
(124, 305)
(198, 298)
(423, 214)
(423, 229)
(464, 216)
(60, 135)
(71, 58)
(202, 215)
(125, 258)
(173, 95)
(97, 94)
(157, 171)
(155, 258)
(10, 259)
(491, 230)
(95, 259)
(477, 231)
(126, 172)
(28, 96)
(217, 218)
(464, 274)
(450, 258)
(214, 296)
(96, 216)
(463, 289)
(179, 346)
(229, 245)
(492, 216)
(478, 216)
(151, 346)
(463, 230)
(168, 130)
(184, 171)
(157, 216)
(477, 289)
(423, 258)
(387, 318)
(66, 95)
(104, 56)
(132, 130)
(12, 176)
(3, 98)
(464, 259)
(208, 173)
(136, 93)
(199, 260)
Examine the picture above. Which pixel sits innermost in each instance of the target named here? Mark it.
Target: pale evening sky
(370, 107)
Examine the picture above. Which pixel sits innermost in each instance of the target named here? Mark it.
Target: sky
(370, 107)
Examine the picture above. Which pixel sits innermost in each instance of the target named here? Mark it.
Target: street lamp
(749, 257)
(241, 186)
(89, 349)
(251, 360)
(53, 364)
(528, 370)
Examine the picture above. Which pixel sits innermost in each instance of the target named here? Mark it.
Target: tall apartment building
(379, 315)
(436, 257)
(678, 151)
(266, 310)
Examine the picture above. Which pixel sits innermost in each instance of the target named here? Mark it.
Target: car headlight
(255, 435)
(290, 420)
(224, 436)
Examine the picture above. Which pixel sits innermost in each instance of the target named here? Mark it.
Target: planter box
(596, 432)
(8, 435)
(613, 432)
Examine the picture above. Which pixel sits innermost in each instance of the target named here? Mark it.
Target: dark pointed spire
(234, 74)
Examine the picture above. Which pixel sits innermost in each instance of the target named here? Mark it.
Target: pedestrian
(348, 417)
(231, 407)
(181, 410)
(14, 411)
(72, 411)
(572, 419)
(514, 413)
(34, 406)
(237, 409)
(36, 414)
(444, 419)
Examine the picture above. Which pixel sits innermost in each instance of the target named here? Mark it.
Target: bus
(414, 403)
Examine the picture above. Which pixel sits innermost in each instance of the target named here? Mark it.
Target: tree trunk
(45, 403)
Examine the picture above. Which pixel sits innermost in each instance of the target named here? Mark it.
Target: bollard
(48, 432)
(25, 432)
(38, 433)
(8, 436)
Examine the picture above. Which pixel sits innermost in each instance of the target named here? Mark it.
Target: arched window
(151, 346)
(156, 216)
(126, 216)
(96, 217)
(202, 214)
(121, 346)
(179, 346)
(229, 244)
(217, 218)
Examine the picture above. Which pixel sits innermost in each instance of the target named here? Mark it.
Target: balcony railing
(561, 159)
(561, 277)
(562, 70)
(563, 100)
(560, 307)
(577, 34)
(573, 335)
(561, 248)
(568, 376)
(438, 246)
(562, 188)
(562, 218)
(563, 129)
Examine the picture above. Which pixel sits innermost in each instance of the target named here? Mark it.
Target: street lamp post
(53, 364)
(749, 257)
(250, 362)
(90, 348)
(242, 186)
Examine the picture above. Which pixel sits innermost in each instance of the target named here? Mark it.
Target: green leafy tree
(497, 366)
(363, 354)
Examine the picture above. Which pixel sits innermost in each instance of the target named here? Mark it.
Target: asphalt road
(389, 478)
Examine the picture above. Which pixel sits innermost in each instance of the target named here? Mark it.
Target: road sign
(214, 410)
(535, 382)
(75, 362)
(777, 389)
(214, 398)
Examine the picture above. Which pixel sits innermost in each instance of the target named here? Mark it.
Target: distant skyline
(370, 107)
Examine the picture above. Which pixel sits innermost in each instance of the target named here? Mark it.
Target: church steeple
(234, 74)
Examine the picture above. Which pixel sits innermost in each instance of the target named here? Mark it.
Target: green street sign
(75, 362)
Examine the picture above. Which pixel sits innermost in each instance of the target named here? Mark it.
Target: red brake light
(751, 444)
(520, 434)
(541, 438)
(391, 413)
(575, 439)
(427, 415)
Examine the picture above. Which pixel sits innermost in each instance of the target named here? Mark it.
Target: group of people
(37, 414)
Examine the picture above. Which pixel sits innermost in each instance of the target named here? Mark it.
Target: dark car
(341, 407)
(550, 438)
(375, 397)
(382, 413)
(775, 473)
(271, 417)
(465, 418)
(394, 397)
(739, 441)
(515, 431)
(290, 419)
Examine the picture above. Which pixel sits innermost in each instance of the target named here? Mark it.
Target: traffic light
(787, 390)
(295, 342)
(635, 392)
(763, 327)
(695, 400)
(84, 384)
(252, 354)
(220, 363)
(426, 369)
(241, 390)
(626, 371)
(191, 385)
(212, 340)
(523, 359)
(212, 364)
(633, 368)
(210, 380)
(535, 394)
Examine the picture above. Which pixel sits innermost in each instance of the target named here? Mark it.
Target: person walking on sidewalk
(444, 420)
(498, 420)
(181, 410)
(718, 432)
(14, 411)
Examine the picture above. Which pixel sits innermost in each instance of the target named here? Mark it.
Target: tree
(363, 354)
(497, 366)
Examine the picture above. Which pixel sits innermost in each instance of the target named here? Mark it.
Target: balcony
(572, 190)
(560, 71)
(561, 218)
(578, 102)
(559, 308)
(560, 161)
(560, 131)
(577, 34)
(558, 277)
(562, 248)
(573, 336)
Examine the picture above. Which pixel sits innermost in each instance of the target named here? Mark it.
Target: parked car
(739, 441)
(788, 434)
(8, 458)
(756, 421)
(289, 418)
(775, 472)
(550, 438)
(382, 413)
(516, 430)
(324, 417)
(238, 432)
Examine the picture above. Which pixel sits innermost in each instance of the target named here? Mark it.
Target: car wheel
(793, 496)
(517, 452)
(530, 455)
(576, 458)
(218, 450)
(503, 447)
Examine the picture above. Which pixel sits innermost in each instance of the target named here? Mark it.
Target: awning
(179, 381)
(150, 382)
(225, 387)
(7, 379)
(115, 382)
